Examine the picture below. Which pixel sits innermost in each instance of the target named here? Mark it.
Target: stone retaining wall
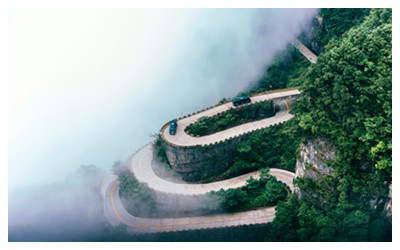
(194, 163)
(200, 162)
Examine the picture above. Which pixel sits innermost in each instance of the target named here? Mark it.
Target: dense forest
(346, 99)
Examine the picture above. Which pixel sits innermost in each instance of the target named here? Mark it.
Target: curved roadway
(140, 164)
(117, 214)
(183, 139)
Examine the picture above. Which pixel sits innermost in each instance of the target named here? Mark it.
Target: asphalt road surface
(305, 51)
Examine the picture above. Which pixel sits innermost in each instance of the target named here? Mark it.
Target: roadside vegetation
(287, 71)
(137, 197)
(159, 151)
(232, 117)
(263, 192)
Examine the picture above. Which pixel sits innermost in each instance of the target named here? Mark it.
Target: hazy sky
(88, 86)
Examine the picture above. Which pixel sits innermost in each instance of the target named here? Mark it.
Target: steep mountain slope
(346, 100)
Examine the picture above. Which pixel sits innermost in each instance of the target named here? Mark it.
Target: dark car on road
(172, 127)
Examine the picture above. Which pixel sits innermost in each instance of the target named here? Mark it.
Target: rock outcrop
(314, 156)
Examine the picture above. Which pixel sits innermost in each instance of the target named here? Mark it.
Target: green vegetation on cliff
(338, 21)
(331, 24)
(159, 150)
(266, 191)
(287, 70)
(346, 98)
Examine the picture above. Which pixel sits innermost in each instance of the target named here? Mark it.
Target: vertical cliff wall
(313, 157)
(200, 162)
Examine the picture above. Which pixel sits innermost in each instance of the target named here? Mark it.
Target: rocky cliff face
(195, 163)
(314, 163)
(313, 159)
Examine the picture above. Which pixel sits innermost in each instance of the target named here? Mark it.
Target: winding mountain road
(140, 165)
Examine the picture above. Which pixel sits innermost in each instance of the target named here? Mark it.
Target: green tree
(283, 227)
(233, 199)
